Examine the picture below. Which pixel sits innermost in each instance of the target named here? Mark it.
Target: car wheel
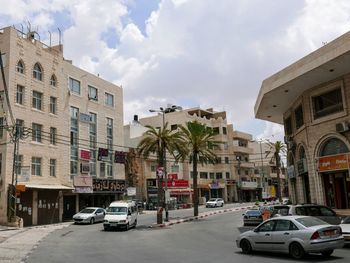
(135, 223)
(222, 205)
(245, 246)
(327, 253)
(296, 250)
(106, 228)
(127, 227)
(92, 221)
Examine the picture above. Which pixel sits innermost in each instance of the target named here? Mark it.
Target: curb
(206, 214)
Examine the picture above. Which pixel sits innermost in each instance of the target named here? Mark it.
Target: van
(120, 214)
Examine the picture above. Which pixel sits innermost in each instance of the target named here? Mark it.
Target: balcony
(241, 149)
(242, 135)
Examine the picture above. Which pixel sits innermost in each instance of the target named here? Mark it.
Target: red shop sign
(176, 183)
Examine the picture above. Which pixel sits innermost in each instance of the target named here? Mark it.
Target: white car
(296, 235)
(345, 227)
(214, 202)
(89, 215)
(120, 214)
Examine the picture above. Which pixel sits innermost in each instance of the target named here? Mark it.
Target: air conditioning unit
(342, 126)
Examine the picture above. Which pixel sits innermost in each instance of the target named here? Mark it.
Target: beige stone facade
(311, 98)
(40, 100)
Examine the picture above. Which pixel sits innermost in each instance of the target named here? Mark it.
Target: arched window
(53, 80)
(38, 72)
(333, 146)
(302, 153)
(20, 67)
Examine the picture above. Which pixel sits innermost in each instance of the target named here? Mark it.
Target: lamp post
(162, 110)
(238, 158)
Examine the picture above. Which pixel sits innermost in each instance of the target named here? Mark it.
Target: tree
(158, 141)
(275, 150)
(200, 142)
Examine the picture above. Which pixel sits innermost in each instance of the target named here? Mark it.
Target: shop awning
(49, 186)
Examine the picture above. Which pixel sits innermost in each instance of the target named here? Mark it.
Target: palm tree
(275, 150)
(158, 141)
(200, 142)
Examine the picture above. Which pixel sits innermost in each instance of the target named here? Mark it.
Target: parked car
(320, 211)
(296, 235)
(89, 215)
(286, 201)
(345, 226)
(279, 210)
(252, 217)
(214, 202)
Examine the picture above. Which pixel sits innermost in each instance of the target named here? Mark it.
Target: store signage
(119, 157)
(333, 163)
(84, 167)
(25, 174)
(173, 176)
(108, 185)
(102, 154)
(152, 186)
(83, 190)
(83, 181)
(85, 154)
(176, 183)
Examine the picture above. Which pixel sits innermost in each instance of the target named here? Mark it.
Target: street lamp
(168, 109)
(238, 158)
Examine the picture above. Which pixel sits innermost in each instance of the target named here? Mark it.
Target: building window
(37, 72)
(36, 132)
(175, 168)
(212, 175)
(53, 105)
(218, 175)
(327, 103)
(288, 126)
(2, 127)
(299, 117)
(53, 135)
(153, 167)
(74, 85)
(20, 127)
(227, 175)
(218, 159)
(19, 162)
(226, 160)
(333, 146)
(110, 146)
(173, 127)
(53, 81)
(93, 93)
(109, 101)
(102, 169)
(37, 100)
(53, 167)
(216, 130)
(20, 67)
(224, 130)
(109, 169)
(203, 175)
(74, 131)
(20, 95)
(36, 166)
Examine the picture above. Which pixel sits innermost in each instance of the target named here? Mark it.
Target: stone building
(310, 98)
(65, 115)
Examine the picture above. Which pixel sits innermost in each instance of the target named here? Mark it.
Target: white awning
(49, 186)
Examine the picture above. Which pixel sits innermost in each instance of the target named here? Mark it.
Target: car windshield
(117, 210)
(87, 211)
(310, 221)
(253, 213)
(212, 200)
(346, 220)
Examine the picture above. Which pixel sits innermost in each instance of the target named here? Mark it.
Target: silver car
(214, 202)
(89, 215)
(296, 235)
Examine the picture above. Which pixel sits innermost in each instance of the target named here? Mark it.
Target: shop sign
(131, 191)
(108, 185)
(82, 181)
(246, 184)
(85, 154)
(83, 190)
(152, 186)
(332, 163)
(25, 174)
(214, 185)
(291, 171)
(84, 167)
(176, 183)
(102, 154)
(119, 157)
(302, 166)
(173, 176)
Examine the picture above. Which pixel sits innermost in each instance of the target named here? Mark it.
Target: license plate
(253, 217)
(113, 224)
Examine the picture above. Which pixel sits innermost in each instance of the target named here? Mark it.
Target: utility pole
(262, 171)
(238, 158)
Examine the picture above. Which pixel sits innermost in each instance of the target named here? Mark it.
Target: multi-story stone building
(310, 98)
(65, 115)
(214, 180)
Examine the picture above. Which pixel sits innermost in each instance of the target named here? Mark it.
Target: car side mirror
(256, 230)
(129, 214)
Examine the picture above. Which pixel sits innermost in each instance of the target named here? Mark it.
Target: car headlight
(122, 221)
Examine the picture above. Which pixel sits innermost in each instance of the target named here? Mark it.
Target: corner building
(310, 98)
(57, 163)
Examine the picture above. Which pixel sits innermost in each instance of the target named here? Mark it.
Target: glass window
(37, 100)
(93, 93)
(93, 143)
(267, 227)
(20, 67)
(53, 135)
(173, 127)
(218, 175)
(52, 167)
(327, 103)
(19, 162)
(226, 160)
(1, 127)
(36, 132)
(288, 126)
(109, 101)
(109, 170)
(53, 105)
(53, 81)
(299, 117)
(203, 175)
(216, 130)
(227, 175)
(74, 85)
(37, 72)
(224, 130)
(102, 169)
(175, 168)
(36, 166)
(20, 95)
(212, 175)
(282, 225)
(325, 211)
(333, 146)
(20, 125)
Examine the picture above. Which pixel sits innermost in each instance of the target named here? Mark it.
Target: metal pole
(261, 170)
(165, 176)
(238, 158)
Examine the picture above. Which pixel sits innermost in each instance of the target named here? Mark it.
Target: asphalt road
(207, 240)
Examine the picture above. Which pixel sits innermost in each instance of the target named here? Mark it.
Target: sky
(191, 53)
